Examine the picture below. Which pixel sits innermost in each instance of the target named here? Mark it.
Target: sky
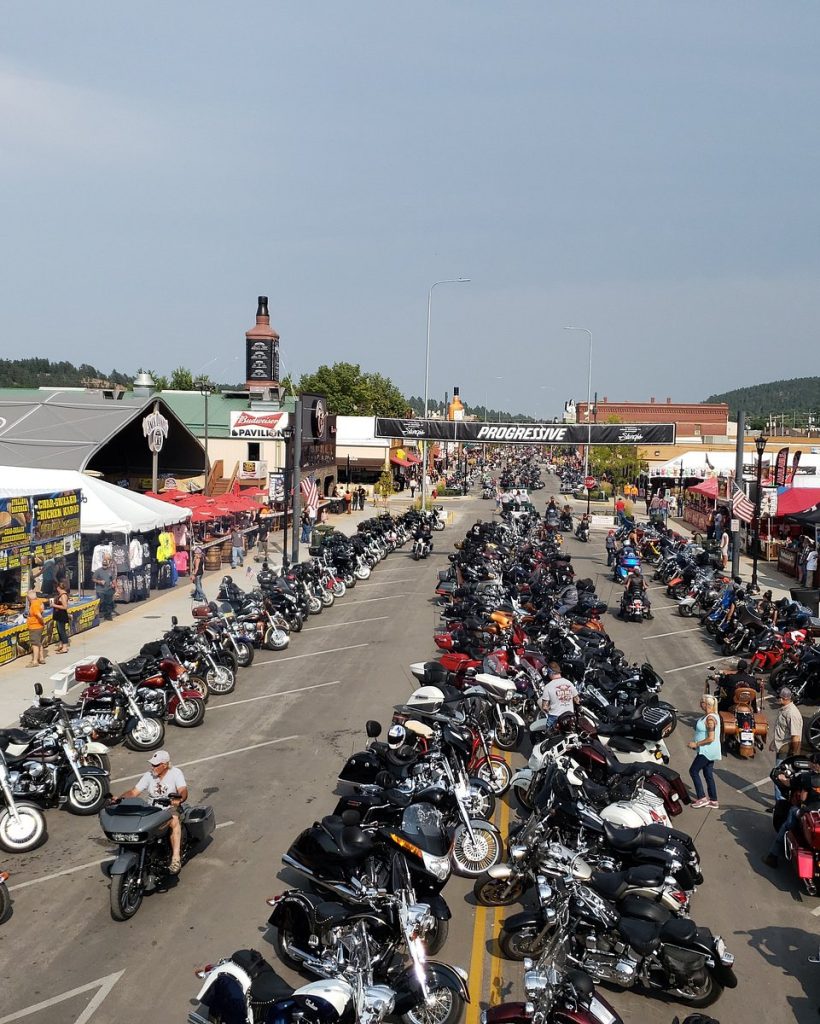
(645, 170)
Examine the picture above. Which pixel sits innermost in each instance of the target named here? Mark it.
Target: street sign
(589, 482)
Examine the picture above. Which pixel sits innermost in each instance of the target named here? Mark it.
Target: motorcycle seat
(679, 930)
(642, 936)
(330, 913)
(609, 884)
(634, 906)
(352, 841)
(8, 736)
(626, 746)
(629, 838)
(134, 668)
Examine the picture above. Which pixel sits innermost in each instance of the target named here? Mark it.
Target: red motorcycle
(773, 648)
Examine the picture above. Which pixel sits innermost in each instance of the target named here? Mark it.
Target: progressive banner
(526, 433)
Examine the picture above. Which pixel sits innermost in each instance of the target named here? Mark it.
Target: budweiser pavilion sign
(526, 433)
(257, 426)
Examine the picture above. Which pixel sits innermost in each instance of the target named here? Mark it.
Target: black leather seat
(609, 884)
(134, 668)
(645, 874)
(353, 843)
(16, 736)
(634, 906)
(642, 936)
(625, 745)
(330, 913)
(679, 930)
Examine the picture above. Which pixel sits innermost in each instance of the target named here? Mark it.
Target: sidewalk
(138, 623)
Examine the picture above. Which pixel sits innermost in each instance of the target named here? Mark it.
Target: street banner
(795, 464)
(55, 515)
(526, 433)
(780, 464)
(255, 425)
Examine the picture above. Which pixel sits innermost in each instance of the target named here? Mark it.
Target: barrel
(213, 557)
(226, 552)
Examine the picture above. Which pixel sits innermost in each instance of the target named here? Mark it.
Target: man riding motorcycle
(636, 587)
(728, 682)
(163, 782)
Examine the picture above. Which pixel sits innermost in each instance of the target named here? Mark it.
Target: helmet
(426, 698)
(396, 736)
(227, 579)
(637, 570)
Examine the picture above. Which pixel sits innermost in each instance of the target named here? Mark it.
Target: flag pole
(741, 431)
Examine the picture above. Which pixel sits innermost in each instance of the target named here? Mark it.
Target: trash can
(810, 598)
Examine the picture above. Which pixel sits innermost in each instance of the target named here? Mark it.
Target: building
(691, 419)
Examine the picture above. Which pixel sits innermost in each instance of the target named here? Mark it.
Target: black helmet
(227, 579)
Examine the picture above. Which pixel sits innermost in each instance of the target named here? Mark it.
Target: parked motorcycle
(22, 824)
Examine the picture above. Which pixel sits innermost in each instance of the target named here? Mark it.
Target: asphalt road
(267, 757)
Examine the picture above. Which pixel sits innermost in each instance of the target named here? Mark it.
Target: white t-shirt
(171, 782)
(811, 560)
(558, 695)
(135, 553)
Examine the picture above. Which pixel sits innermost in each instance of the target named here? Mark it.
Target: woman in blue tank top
(706, 744)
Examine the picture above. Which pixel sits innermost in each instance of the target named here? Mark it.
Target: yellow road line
(496, 981)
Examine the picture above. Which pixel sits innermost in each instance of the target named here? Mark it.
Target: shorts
(36, 637)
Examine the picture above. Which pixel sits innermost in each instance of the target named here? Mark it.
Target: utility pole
(297, 491)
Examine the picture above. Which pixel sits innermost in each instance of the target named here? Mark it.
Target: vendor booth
(48, 533)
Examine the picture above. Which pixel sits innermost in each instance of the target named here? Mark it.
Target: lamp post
(205, 389)
(589, 395)
(760, 444)
(435, 284)
(287, 435)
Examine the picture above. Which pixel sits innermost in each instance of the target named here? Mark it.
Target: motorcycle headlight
(439, 867)
(379, 1000)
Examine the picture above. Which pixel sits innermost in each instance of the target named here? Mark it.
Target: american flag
(742, 508)
(310, 493)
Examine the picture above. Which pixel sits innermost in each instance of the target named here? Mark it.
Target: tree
(618, 462)
(350, 392)
(182, 380)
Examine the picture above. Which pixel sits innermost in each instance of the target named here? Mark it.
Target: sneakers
(703, 802)
(770, 860)
(713, 805)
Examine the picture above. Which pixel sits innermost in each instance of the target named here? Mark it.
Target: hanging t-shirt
(100, 552)
(165, 546)
(180, 532)
(135, 553)
(181, 561)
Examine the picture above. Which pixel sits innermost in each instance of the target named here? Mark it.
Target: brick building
(692, 419)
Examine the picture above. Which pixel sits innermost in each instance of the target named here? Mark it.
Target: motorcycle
(22, 824)
(582, 530)
(742, 729)
(5, 897)
(143, 859)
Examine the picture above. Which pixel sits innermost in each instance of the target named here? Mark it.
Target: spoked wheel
(685, 610)
(25, 833)
(480, 800)
(245, 654)
(507, 733)
(339, 588)
(146, 735)
(496, 773)
(276, 639)
(327, 598)
(189, 713)
(474, 855)
(89, 797)
(521, 943)
(220, 679)
(126, 894)
(497, 892)
(198, 683)
(442, 1007)
(98, 761)
(314, 605)
(813, 732)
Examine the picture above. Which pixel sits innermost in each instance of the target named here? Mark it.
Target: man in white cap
(162, 782)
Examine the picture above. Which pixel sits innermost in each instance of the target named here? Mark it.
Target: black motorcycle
(143, 860)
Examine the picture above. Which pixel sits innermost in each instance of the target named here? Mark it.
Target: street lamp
(435, 284)
(205, 388)
(589, 395)
(760, 444)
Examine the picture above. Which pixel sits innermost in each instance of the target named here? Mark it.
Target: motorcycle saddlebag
(361, 768)
(810, 824)
(200, 823)
(684, 965)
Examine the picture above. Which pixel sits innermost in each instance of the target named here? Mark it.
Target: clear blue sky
(646, 170)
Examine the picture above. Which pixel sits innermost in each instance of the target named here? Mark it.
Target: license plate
(747, 736)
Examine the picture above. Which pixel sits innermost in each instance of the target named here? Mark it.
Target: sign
(589, 482)
(768, 504)
(55, 515)
(276, 486)
(318, 442)
(734, 526)
(259, 360)
(780, 465)
(526, 433)
(155, 428)
(252, 470)
(15, 522)
(258, 425)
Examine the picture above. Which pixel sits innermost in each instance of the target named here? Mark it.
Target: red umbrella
(201, 515)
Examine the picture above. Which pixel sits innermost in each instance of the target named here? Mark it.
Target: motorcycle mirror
(174, 620)
(373, 729)
(38, 689)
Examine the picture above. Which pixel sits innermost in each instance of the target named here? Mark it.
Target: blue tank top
(710, 750)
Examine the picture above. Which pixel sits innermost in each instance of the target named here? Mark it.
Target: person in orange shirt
(36, 624)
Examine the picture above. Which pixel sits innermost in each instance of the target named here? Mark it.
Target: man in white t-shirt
(160, 782)
(558, 696)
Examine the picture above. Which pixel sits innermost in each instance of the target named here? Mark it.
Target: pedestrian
(434, 494)
(104, 584)
(348, 502)
(262, 537)
(611, 546)
(362, 496)
(724, 547)
(559, 696)
(811, 566)
(706, 744)
(412, 488)
(197, 570)
(323, 514)
(787, 733)
(237, 548)
(59, 606)
(620, 511)
(680, 505)
(305, 537)
(35, 622)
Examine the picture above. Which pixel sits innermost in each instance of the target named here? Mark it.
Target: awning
(398, 461)
(708, 487)
(797, 499)
(413, 459)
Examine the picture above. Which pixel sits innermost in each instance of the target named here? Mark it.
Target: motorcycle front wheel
(497, 892)
(339, 588)
(496, 773)
(520, 944)
(443, 1006)
(314, 605)
(474, 856)
(435, 938)
(126, 894)
(362, 572)
(220, 680)
(276, 639)
(245, 654)
(98, 761)
(685, 610)
(25, 834)
(507, 733)
(327, 598)
(146, 735)
(189, 713)
(87, 798)
(813, 732)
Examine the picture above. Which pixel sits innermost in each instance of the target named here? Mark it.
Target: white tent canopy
(697, 463)
(105, 508)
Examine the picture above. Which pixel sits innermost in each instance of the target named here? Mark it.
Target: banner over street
(526, 433)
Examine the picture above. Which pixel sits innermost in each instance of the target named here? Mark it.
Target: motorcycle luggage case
(200, 823)
(810, 825)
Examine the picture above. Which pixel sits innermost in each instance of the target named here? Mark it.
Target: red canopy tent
(797, 499)
(708, 487)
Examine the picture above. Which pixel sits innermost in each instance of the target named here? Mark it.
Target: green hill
(35, 373)
(797, 397)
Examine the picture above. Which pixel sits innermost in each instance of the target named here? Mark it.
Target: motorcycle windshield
(422, 824)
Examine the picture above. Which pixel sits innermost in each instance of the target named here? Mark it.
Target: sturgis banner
(526, 433)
